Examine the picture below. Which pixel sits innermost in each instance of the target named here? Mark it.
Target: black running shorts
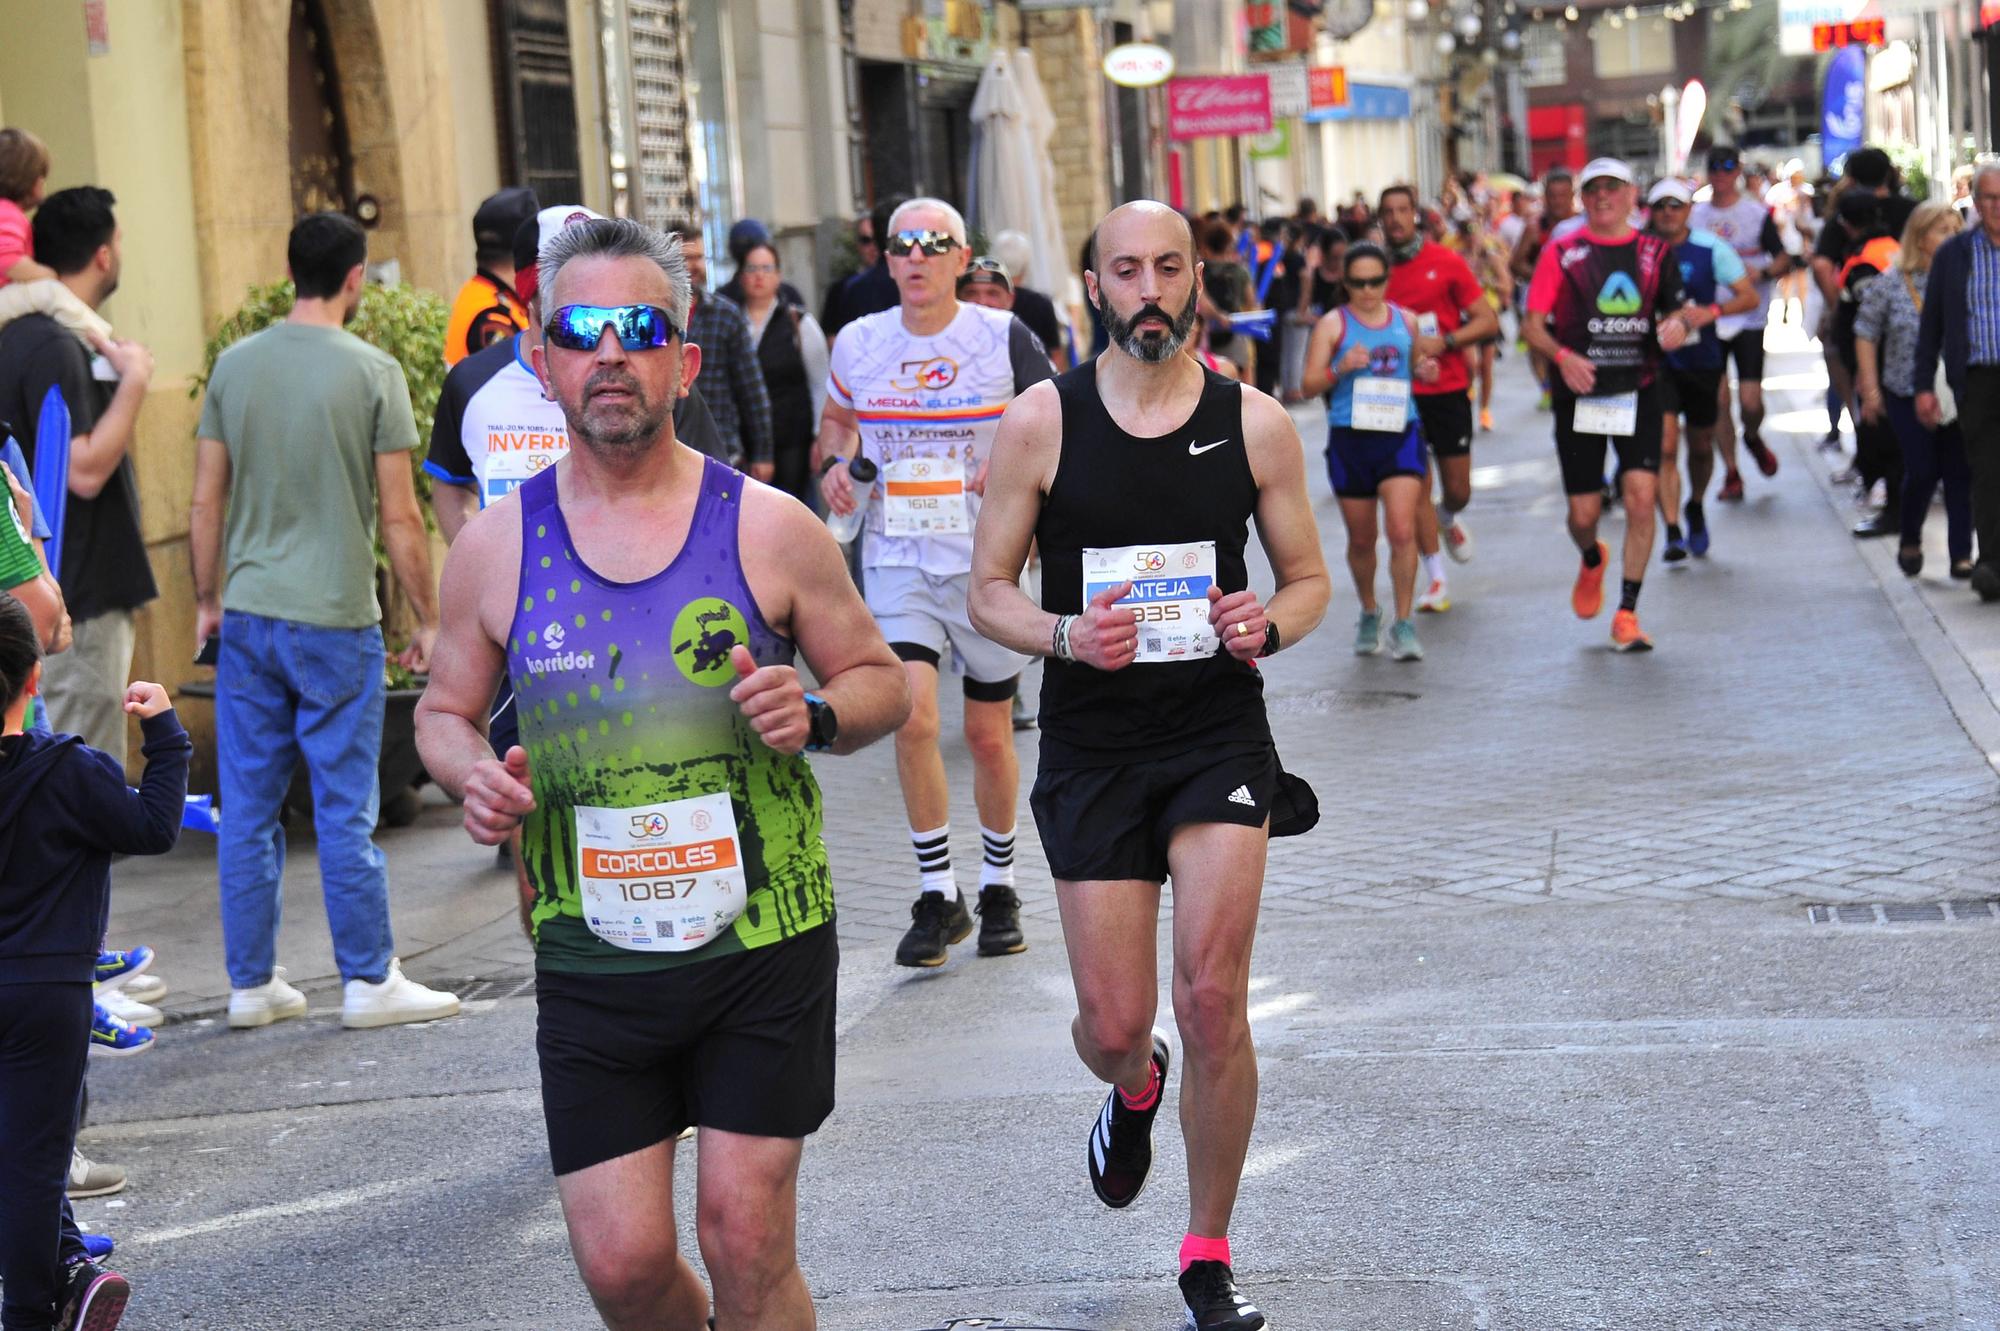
(1447, 422)
(1690, 393)
(743, 1043)
(1113, 823)
(1582, 455)
(1747, 350)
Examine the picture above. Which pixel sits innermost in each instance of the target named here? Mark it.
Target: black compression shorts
(1747, 350)
(743, 1043)
(1114, 823)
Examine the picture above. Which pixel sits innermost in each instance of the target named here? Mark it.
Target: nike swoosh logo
(1196, 450)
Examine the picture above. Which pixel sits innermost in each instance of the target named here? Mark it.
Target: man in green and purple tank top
(681, 900)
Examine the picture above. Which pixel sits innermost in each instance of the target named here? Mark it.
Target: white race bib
(924, 497)
(660, 877)
(1427, 325)
(507, 472)
(1381, 404)
(1169, 591)
(1616, 413)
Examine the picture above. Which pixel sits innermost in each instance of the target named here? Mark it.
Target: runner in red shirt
(1604, 303)
(1452, 313)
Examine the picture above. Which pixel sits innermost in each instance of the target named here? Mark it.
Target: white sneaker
(87, 1178)
(395, 1000)
(1457, 542)
(129, 1009)
(147, 988)
(1435, 598)
(271, 1001)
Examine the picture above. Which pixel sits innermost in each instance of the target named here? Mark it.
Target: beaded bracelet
(1060, 646)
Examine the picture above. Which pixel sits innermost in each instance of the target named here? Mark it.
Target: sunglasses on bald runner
(581, 327)
(933, 243)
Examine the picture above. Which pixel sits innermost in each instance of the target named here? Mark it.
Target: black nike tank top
(1113, 490)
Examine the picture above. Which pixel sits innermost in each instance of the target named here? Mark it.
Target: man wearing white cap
(1691, 380)
(1605, 301)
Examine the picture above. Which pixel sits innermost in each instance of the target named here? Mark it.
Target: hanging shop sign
(1228, 106)
(1326, 88)
(1138, 65)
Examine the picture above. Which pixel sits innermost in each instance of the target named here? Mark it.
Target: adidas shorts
(1114, 823)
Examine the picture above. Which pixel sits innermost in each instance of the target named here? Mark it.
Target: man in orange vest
(487, 309)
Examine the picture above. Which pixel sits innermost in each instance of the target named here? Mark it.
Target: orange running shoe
(1625, 634)
(1587, 597)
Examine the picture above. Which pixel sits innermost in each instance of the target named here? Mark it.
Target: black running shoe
(935, 924)
(1000, 922)
(1120, 1153)
(93, 1298)
(1209, 1290)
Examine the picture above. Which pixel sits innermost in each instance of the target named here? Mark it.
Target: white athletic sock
(996, 864)
(1434, 566)
(934, 859)
(1447, 517)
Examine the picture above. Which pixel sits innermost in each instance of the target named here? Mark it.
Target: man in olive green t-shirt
(305, 438)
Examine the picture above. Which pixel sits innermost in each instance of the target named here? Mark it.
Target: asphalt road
(1549, 1038)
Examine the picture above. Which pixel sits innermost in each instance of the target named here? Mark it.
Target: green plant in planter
(405, 321)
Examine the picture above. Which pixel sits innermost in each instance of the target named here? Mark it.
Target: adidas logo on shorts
(1241, 795)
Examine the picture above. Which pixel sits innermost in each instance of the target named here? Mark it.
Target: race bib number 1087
(1169, 593)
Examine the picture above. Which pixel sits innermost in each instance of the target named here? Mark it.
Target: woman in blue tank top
(1362, 357)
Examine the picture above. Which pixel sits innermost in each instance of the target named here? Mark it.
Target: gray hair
(953, 219)
(1981, 170)
(617, 238)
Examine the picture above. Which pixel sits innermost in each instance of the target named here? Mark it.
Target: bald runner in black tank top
(1112, 490)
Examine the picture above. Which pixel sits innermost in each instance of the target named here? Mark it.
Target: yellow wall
(184, 119)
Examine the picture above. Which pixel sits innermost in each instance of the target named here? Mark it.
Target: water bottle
(862, 473)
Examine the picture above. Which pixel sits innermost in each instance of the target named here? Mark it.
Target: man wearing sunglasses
(648, 603)
(1605, 302)
(1691, 382)
(919, 390)
(1441, 289)
(495, 427)
(1137, 475)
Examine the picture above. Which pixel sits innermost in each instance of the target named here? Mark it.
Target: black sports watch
(1270, 639)
(822, 727)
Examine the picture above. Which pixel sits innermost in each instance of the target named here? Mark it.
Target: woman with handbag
(1885, 349)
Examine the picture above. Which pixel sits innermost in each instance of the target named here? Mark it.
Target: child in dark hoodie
(65, 810)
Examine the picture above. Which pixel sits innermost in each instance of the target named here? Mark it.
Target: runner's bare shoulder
(783, 546)
(1270, 438)
(1030, 434)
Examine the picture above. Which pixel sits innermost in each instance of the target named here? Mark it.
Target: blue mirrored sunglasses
(581, 327)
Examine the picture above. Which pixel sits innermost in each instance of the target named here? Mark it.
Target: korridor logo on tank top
(552, 638)
(1196, 450)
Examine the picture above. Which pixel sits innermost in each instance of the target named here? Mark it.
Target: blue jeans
(285, 690)
(1930, 456)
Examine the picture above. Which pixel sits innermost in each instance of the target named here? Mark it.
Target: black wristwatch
(1270, 639)
(823, 727)
(829, 465)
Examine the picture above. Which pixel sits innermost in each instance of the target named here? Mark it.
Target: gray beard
(1147, 350)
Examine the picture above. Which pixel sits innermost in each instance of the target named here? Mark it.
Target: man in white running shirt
(919, 390)
(1742, 222)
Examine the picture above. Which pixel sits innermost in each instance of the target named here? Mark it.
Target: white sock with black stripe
(996, 865)
(934, 860)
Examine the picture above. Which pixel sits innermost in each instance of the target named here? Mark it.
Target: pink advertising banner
(1226, 106)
